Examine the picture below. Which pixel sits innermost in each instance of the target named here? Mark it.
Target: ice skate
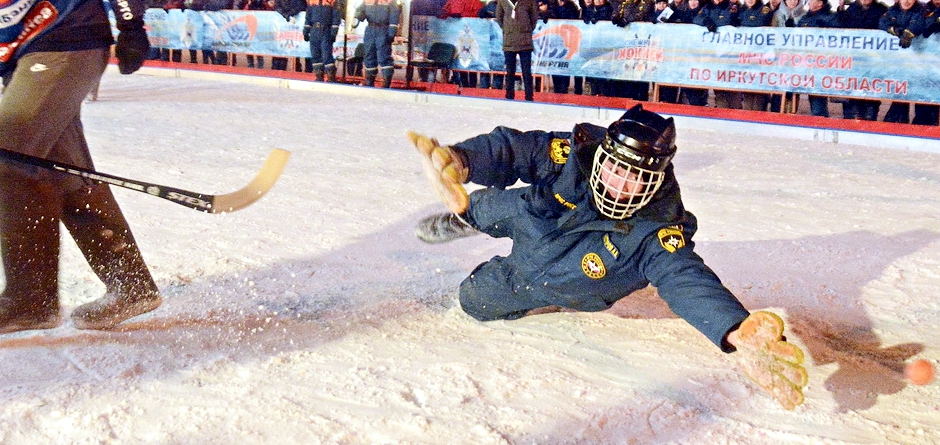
(442, 228)
(769, 360)
(446, 171)
(112, 309)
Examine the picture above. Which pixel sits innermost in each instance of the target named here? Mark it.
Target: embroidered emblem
(593, 267)
(558, 150)
(671, 239)
(611, 247)
(565, 202)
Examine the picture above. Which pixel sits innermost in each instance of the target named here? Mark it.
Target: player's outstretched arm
(775, 364)
(445, 170)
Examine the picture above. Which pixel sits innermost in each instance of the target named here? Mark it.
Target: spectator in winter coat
(257, 5)
(321, 25)
(663, 11)
(289, 9)
(545, 10)
(786, 15)
(565, 10)
(218, 57)
(687, 95)
(517, 20)
(928, 114)
(592, 12)
(861, 14)
(712, 16)
(660, 7)
(754, 13)
(488, 11)
(175, 55)
(383, 17)
(683, 12)
(789, 13)
(600, 216)
(458, 9)
(46, 77)
(624, 13)
(629, 11)
(904, 20)
(819, 15)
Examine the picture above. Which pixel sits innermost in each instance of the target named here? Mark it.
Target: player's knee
(475, 308)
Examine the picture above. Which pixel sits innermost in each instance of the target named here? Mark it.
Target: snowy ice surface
(315, 316)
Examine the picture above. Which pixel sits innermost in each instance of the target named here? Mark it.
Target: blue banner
(843, 62)
(825, 61)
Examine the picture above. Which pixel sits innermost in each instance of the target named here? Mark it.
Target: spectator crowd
(905, 19)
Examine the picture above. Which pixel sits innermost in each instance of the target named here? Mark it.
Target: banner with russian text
(858, 63)
(838, 62)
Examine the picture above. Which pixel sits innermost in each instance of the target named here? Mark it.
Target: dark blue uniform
(857, 16)
(564, 253)
(931, 22)
(383, 17)
(713, 15)
(897, 22)
(320, 28)
(593, 14)
(823, 18)
(925, 114)
(757, 15)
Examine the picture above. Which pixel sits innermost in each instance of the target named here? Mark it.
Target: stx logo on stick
(173, 196)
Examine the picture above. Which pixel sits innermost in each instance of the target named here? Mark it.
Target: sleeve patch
(593, 266)
(559, 149)
(614, 251)
(671, 239)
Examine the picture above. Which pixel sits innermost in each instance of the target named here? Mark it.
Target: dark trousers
(525, 63)
(926, 114)
(898, 112)
(863, 109)
(696, 96)
(560, 84)
(669, 95)
(819, 105)
(41, 116)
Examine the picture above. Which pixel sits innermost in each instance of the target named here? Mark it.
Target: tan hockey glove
(771, 362)
(446, 171)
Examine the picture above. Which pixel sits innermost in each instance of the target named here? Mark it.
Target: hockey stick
(224, 203)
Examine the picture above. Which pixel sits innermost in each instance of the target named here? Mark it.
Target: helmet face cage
(621, 188)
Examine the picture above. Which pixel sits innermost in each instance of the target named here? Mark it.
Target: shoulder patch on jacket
(592, 266)
(561, 200)
(558, 150)
(614, 251)
(671, 238)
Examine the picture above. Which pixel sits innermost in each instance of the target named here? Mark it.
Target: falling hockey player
(601, 217)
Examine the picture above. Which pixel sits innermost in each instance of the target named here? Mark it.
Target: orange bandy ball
(919, 372)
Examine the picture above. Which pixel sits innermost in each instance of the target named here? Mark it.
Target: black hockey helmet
(628, 166)
(643, 138)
